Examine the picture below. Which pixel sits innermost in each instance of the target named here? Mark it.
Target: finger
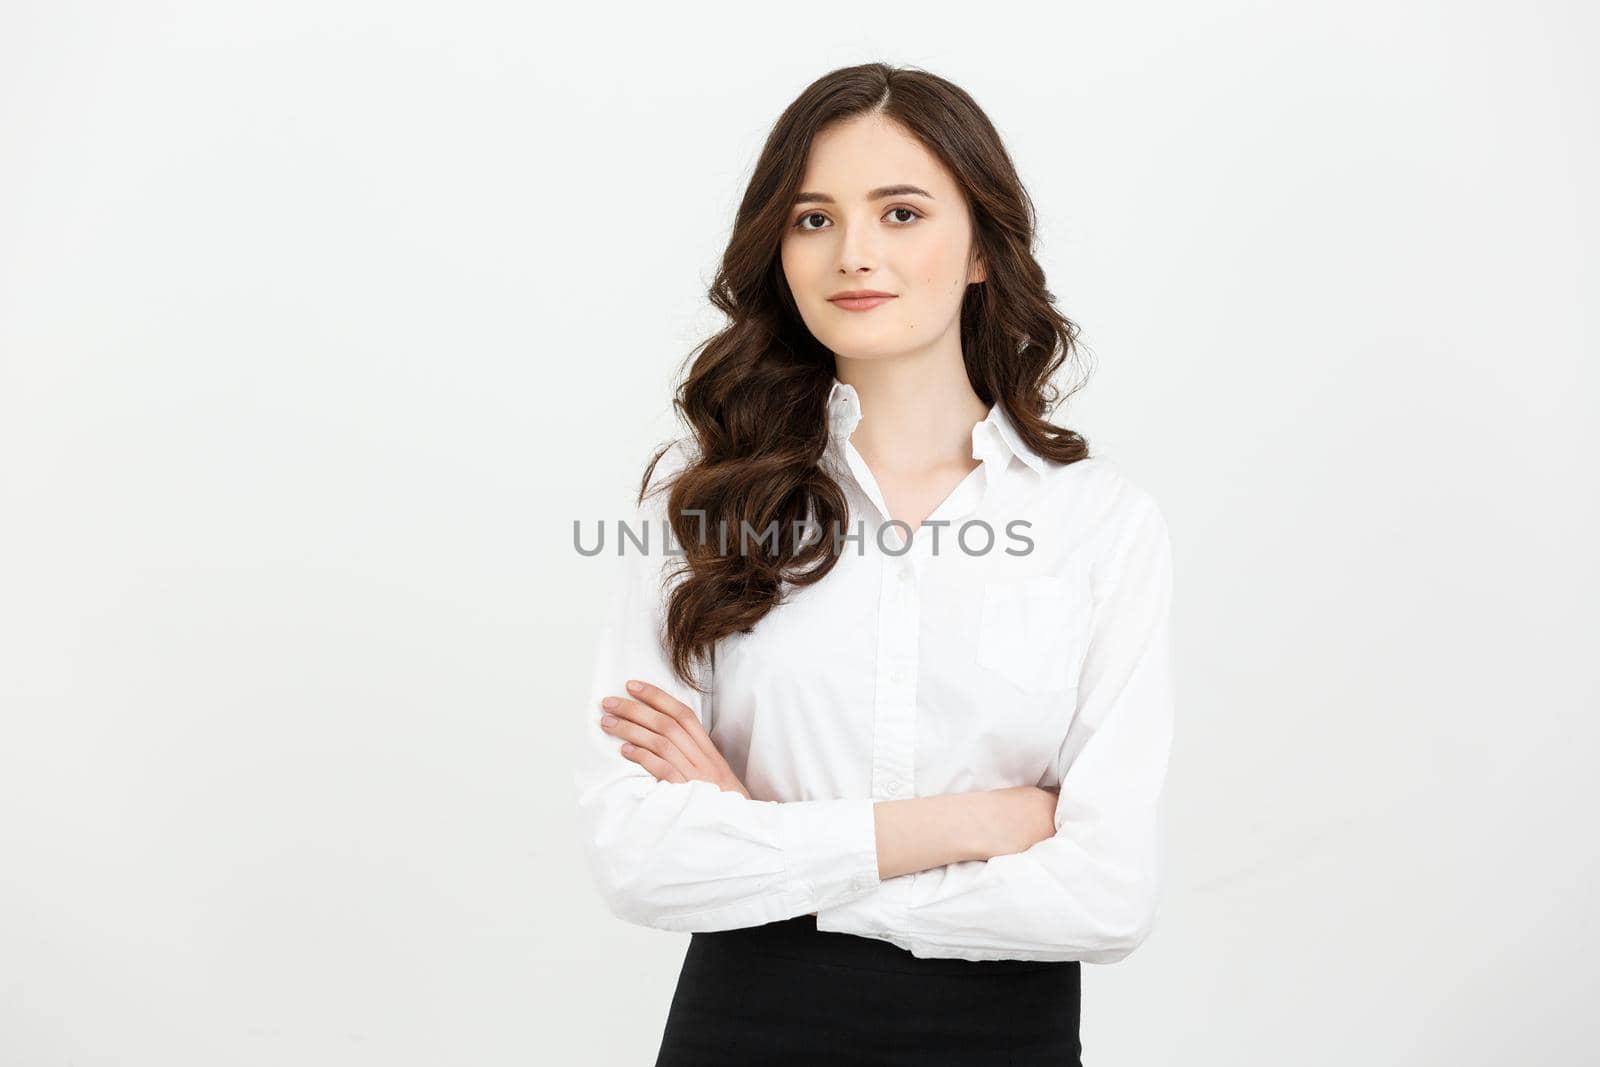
(656, 732)
(659, 768)
(664, 724)
(679, 712)
(640, 737)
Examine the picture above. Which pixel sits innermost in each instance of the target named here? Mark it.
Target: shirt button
(892, 788)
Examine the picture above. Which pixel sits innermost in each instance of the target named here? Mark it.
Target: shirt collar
(995, 437)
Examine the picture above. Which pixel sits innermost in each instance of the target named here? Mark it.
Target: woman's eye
(800, 223)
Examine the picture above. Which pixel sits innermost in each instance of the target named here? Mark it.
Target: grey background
(321, 323)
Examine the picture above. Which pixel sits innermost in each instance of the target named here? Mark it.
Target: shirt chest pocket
(1032, 631)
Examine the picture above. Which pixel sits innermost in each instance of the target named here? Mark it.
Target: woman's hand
(665, 737)
(1018, 818)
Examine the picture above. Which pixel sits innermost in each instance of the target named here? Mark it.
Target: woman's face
(850, 230)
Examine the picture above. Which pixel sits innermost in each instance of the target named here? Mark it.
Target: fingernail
(609, 702)
(608, 720)
(634, 687)
(627, 747)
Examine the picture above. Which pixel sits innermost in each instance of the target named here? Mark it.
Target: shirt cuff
(831, 848)
(883, 914)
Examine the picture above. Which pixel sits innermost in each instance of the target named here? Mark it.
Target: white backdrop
(321, 322)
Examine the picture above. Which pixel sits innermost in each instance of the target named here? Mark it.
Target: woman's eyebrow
(874, 194)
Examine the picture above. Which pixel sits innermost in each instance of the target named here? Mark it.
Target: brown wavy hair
(755, 393)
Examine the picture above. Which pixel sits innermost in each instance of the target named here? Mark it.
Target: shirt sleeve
(1090, 892)
(688, 856)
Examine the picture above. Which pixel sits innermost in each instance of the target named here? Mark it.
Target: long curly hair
(754, 395)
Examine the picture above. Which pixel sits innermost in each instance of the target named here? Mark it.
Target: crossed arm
(675, 841)
(664, 736)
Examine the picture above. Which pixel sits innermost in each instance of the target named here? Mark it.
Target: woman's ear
(977, 272)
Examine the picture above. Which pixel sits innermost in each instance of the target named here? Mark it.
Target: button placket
(894, 743)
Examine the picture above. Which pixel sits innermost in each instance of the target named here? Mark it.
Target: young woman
(884, 722)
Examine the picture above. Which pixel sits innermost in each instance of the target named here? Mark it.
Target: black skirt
(788, 993)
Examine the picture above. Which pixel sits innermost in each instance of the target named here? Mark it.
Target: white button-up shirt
(939, 668)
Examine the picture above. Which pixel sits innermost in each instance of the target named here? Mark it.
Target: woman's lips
(860, 303)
